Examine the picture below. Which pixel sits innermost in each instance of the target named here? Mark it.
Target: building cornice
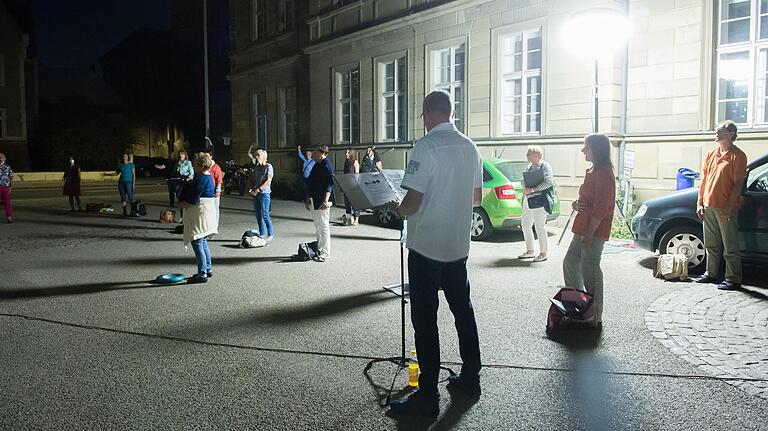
(393, 23)
(262, 67)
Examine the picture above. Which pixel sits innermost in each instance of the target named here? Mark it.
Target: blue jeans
(202, 256)
(426, 276)
(126, 191)
(262, 204)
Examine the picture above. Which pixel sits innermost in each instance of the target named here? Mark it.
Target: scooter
(237, 177)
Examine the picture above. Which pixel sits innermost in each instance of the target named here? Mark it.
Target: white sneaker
(527, 255)
(539, 258)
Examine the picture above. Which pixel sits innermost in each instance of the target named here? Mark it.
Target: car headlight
(642, 210)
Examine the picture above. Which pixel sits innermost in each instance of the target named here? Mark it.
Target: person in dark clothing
(371, 162)
(351, 166)
(319, 201)
(71, 181)
(307, 162)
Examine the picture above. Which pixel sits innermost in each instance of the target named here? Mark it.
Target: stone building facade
(365, 66)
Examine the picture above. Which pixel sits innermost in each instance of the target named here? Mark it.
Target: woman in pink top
(592, 226)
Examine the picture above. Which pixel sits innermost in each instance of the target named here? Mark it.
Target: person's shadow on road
(450, 417)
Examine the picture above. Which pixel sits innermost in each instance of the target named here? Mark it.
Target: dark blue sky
(75, 33)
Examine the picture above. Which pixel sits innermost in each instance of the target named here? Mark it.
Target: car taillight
(505, 192)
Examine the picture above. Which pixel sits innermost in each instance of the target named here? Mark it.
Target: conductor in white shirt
(444, 182)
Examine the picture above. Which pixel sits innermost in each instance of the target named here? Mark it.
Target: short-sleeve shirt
(126, 171)
(369, 164)
(260, 174)
(6, 173)
(217, 176)
(444, 166)
(720, 173)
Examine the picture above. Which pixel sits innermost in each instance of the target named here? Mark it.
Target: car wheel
(481, 225)
(686, 240)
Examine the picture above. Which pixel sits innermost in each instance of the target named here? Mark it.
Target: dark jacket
(321, 182)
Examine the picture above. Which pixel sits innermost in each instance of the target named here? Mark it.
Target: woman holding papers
(539, 174)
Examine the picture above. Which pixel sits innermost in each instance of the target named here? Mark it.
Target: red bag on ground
(571, 309)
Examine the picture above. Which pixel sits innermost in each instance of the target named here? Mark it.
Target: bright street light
(595, 34)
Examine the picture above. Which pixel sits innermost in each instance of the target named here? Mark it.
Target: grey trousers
(581, 270)
(721, 239)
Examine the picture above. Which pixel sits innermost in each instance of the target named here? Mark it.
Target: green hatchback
(502, 203)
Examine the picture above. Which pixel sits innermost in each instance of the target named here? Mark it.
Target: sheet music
(374, 189)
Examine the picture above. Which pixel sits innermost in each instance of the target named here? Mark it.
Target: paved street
(270, 344)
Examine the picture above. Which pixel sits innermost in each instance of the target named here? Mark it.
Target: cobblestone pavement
(724, 334)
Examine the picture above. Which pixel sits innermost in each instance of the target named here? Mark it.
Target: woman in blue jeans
(261, 190)
(127, 182)
(201, 220)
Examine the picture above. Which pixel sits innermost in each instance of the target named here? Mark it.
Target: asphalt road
(269, 344)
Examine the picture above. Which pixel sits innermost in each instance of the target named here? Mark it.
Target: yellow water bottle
(413, 370)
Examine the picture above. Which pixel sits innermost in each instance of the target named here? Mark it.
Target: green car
(502, 203)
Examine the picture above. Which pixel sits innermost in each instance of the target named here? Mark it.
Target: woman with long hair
(592, 225)
(351, 166)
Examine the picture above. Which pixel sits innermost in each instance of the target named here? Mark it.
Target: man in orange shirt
(723, 176)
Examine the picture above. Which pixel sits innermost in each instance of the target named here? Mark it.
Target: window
(285, 19)
(448, 68)
(258, 19)
(393, 78)
(348, 85)
(259, 119)
(288, 116)
(742, 62)
(520, 92)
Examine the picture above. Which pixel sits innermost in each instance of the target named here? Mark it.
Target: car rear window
(512, 170)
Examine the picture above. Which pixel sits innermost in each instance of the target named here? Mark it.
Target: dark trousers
(425, 277)
(174, 186)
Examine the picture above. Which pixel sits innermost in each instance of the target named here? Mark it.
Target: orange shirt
(720, 173)
(598, 194)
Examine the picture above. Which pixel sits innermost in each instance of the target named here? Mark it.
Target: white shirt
(445, 166)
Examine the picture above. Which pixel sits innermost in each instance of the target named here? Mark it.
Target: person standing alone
(724, 171)
(320, 185)
(261, 190)
(444, 183)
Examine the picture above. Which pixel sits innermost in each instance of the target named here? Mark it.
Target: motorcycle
(236, 177)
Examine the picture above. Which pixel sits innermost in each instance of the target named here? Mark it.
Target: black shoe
(729, 285)
(418, 403)
(197, 278)
(209, 274)
(470, 386)
(705, 279)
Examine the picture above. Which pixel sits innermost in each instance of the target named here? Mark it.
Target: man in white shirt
(444, 182)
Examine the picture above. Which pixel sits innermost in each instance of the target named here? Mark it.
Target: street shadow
(512, 262)
(451, 416)
(97, 225)
(648, 262)
(274, 216)
(577, 340)
(365, 237)
(180, 260)
(505, 235)
(332, 306)
(755, 275)
(74, 289)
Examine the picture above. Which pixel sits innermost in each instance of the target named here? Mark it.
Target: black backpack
(307, 251)
(139, 209)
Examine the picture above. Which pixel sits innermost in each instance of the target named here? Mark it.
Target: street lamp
(595, 33)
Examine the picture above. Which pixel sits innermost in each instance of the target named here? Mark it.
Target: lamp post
(595, 33)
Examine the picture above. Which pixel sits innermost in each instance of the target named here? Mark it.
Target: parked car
(502, 203)
(669, 224)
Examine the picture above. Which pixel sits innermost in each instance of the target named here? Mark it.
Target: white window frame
(287, 22)
(382, 94)
(285, 111)
(499, 77)
(453, 86)
(339, 101)
(256, 14)
(256, 111)
(3, 123)
(757, 107)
